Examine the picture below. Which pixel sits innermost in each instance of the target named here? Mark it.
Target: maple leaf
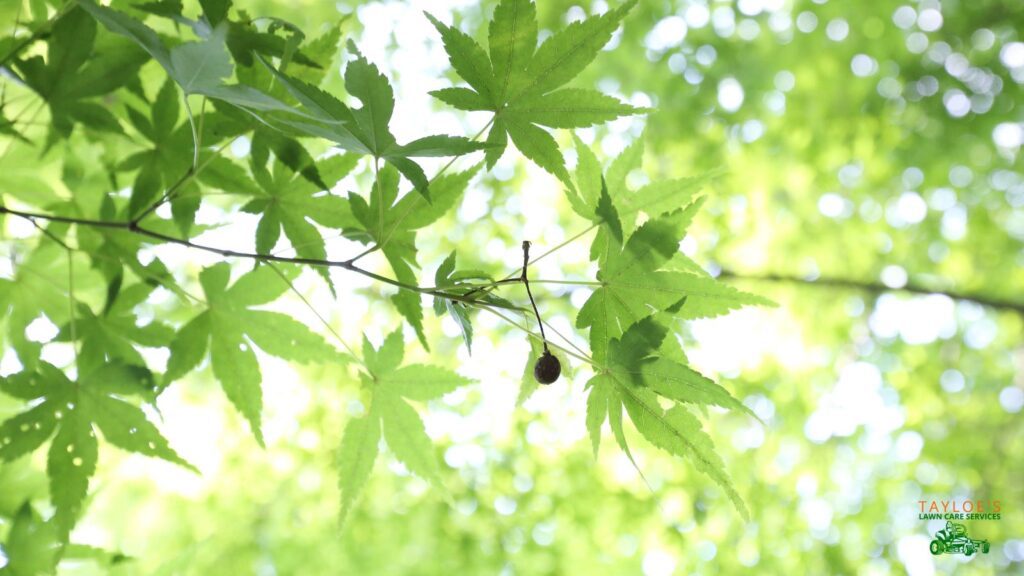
(71, 412)
(367, 129)
(519, 81)
(286, 203)
(633, 284)
(229, 328)
(70, 76)
(29, 294)
(391, 386)
(653, 199)
(114, 334)
(634, 379)
(392, 223)
(445, 277)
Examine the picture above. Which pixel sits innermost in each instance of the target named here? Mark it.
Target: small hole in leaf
(133, 430)
(24, 427)
(243, 347)
(151, 446)
(71, 448)
(76, 461)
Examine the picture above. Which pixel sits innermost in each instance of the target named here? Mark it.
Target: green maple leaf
(633, 284)
(289, 204)
(114, 334)
(70, 75)
(464, 283)
(444, 278)
(161, 163)
(29, 294)
(9, 127)
(366, 129)
(33, 545)
(634, 378)
(229, 328)
(288, 151)
(392, 223)
(391, 386)
(71, 412)
(245, 39)
(521, 82)
(652, 199)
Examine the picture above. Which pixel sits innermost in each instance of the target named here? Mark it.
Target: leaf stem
(187, 177)
(380, 193)
(195, 133)
(516, 276)
(536, 336)
(327, 325)
(71, 303)
(567, 341)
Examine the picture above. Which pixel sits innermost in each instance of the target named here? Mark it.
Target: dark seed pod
(547, 369)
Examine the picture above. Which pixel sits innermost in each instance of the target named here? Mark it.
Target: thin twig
(876, 288)
(526, 282)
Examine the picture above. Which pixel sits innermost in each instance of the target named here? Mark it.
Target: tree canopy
(274, 280)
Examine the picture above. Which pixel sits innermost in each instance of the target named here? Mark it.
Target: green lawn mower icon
(954, 540)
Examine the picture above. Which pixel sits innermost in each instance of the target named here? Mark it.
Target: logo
(960, 510)
(954, 540)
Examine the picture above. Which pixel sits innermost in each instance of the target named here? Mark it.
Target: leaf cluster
(144, 99)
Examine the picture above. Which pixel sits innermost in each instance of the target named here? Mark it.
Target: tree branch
(133, 227)
(876, 288)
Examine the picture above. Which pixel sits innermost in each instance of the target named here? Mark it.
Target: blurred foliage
(875, 142)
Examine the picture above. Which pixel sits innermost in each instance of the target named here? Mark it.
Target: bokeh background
(872, 186)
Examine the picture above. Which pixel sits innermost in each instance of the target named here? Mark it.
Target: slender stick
(526, 282)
